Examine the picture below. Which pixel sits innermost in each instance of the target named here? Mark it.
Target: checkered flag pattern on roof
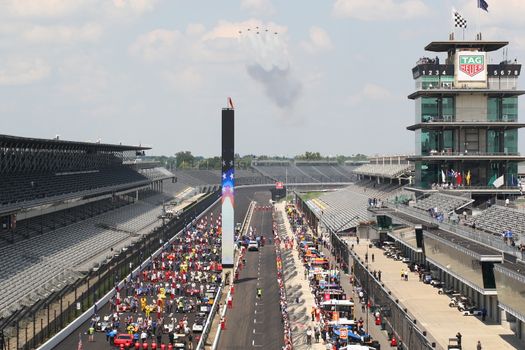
(459, 21)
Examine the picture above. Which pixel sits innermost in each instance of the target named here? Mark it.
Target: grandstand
(67, 207)
(386, 169)
(390, 171)
(290, 171)
(443, 202)
(346, 208)
(497, 219)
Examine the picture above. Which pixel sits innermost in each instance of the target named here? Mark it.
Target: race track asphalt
(253, 322)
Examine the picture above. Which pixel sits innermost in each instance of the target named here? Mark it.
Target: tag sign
(471, 66)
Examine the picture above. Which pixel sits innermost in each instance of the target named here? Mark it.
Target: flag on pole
(468, 178)
(492, 179)
(499, 181)
(459, 21)
(482, 4)
(230, 103)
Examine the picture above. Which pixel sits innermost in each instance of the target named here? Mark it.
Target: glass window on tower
(511, 177)
(427, 174)
(510, 109)
(448, 109)
(437, 109)
(493, 141)
(448, 141)
(435, 141)
(510, 141)
(429, 109)
(502, 109)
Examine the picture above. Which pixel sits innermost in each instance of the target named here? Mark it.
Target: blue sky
(157, 72)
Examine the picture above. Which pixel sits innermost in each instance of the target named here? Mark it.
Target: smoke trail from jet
(268, 64)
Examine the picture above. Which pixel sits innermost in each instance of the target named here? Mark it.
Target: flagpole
(477, 20)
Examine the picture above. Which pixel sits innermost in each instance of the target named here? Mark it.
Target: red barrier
(223, 323)
(393, 342)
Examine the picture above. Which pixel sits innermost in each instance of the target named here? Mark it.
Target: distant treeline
(186, 160)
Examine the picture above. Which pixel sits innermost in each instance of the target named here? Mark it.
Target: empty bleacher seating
(27, 187)
(443, 202)
(29, 265)
(498, 219)
(384, 170)
(305, 173)
(347, 207)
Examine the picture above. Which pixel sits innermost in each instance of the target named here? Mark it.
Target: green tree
(309, 156)
(212, 163)
(184, 159)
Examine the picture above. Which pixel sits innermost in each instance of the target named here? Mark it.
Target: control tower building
(466, 125)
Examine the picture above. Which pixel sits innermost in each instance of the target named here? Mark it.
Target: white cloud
(259, 7)
(319, 41)
(64, 8)
(83, 79)
(21, 71)
(371, 92)
(186, 79)
(219, 44)
(63, 34)
(379, 10)
(42, 8)
(158, 44)
(128, 8)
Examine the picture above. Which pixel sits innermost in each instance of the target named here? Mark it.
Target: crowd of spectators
(283, 304)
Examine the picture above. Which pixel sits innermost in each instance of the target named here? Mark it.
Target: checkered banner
(459, 21)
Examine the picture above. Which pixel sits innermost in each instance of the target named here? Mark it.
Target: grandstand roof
(457, 91)
(444, 46)
(9, 141)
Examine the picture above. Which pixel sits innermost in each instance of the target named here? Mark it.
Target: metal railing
(448, 153)
(429, 119)
(486, 238)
